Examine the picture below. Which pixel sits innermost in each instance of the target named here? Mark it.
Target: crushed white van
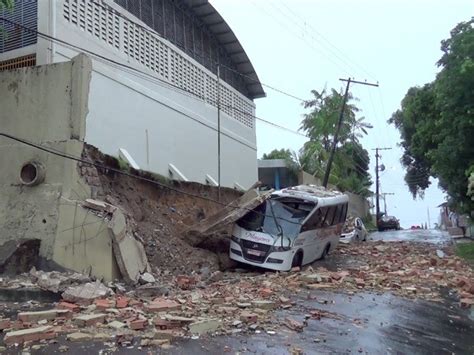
(293, 227)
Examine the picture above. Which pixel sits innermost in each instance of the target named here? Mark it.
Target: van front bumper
(280, 261)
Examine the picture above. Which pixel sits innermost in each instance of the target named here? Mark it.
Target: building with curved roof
(162, 69)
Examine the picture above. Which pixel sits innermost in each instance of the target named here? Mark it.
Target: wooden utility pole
(339, 125)
(377, 183)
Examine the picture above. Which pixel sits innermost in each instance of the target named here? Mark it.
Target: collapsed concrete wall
(41, 193)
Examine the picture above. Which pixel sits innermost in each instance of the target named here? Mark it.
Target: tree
(8, 4)
(351, 163)
(436, 122)
(5, 4)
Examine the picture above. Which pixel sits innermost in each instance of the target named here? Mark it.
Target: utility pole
(218, 132)
(339, 125)
(377, 183)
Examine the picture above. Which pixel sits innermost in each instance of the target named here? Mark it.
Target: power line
(300, 37)
(329, 42)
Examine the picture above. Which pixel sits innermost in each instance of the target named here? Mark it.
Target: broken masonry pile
(156, 313)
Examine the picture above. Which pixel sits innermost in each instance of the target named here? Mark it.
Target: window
(331, 213)
(275, 215)
(316, 220)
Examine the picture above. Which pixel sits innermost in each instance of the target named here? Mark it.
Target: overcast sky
(300, 45)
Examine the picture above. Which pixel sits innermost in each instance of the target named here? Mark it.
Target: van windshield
(289, 214)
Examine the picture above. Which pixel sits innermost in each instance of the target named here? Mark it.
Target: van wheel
(297, 259)
(325, 252)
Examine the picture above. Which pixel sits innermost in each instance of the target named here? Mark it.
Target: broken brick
(466, 302)
(162, 305)
(138, 324)
(42, 315)
(122, 302)
(69, 306)
(103, 304)
(89, 319)
(294, 324)
(248, 317)
(164, 324)
(32, 334)
(185, 282)
(5, 323)
(265, 292)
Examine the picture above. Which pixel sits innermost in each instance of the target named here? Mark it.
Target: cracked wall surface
(48, 105)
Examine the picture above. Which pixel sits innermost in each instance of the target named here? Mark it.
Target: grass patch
(466, 251)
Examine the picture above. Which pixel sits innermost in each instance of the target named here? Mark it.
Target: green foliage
(436, 122)
(466, 251)
(349, 171)
(8, 4)
(5, 4)
(123, 165)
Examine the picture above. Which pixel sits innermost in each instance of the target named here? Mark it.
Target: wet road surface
(412, 235)
(364, 323)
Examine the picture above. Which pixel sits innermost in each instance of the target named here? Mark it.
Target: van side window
(339, 214)
(331, 213)
(316, 220)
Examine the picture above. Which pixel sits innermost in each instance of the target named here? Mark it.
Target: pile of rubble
(408, 269)
(213, 303)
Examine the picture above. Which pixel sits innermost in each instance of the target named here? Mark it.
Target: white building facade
(154, 90)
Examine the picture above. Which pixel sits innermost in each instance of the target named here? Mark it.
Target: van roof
(313, 193)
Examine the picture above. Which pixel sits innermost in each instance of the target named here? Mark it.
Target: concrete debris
(204, 326)
(34, 317)
(147, 278)
(82, 337)
(100, 206)
(129, 252)
(55, 281)
(30, 335)
(87, 293)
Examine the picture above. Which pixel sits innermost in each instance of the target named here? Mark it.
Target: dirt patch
(160, 214)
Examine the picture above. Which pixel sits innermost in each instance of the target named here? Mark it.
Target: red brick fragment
(248, 317)
(69, 306)
(265, 292)
(103, 304)
(138, 324)
(185, 282)
(162, 305)
(5, 323)
(122, 302)
(294, 324)
(164, 324)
